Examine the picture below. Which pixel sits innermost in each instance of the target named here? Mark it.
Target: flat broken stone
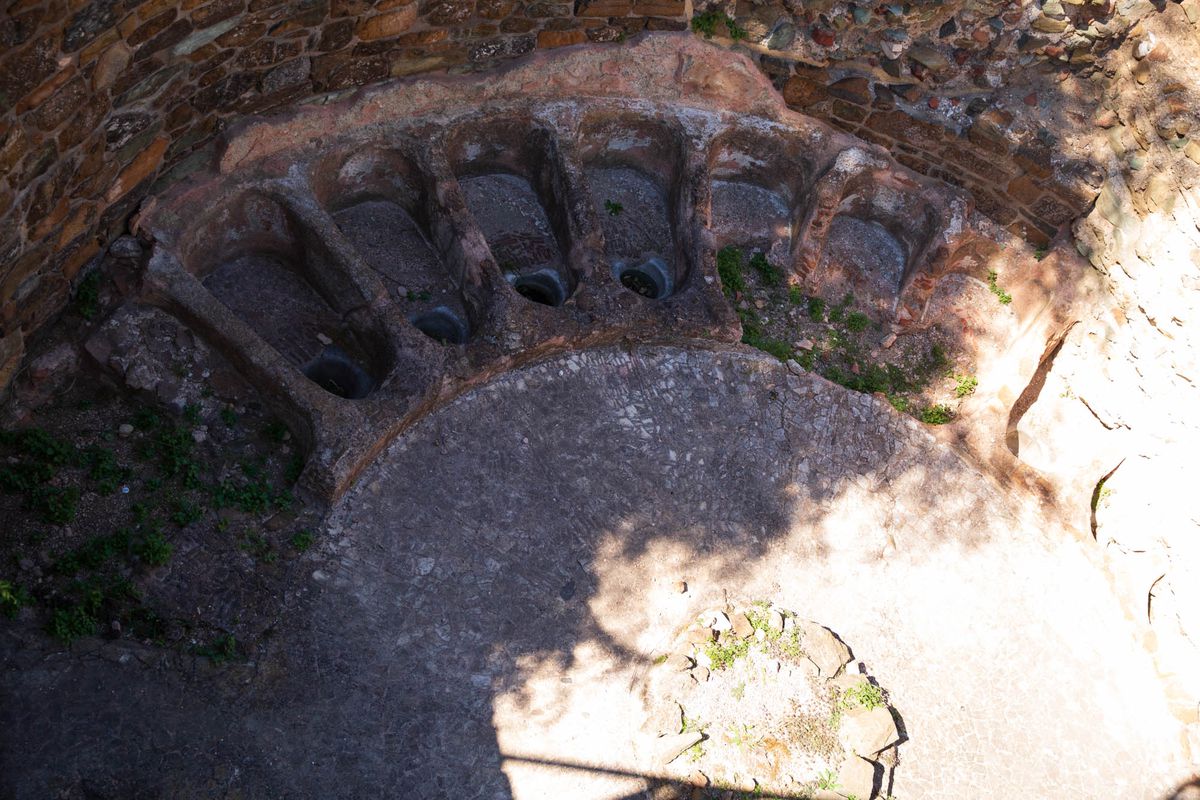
(741, 626)
(668, 748)
(867, 732)
(664, 719)
(856, 778)
(823, 648)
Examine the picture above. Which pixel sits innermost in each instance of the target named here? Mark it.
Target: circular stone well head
(336, 373)
(544, 287)
(650, 278)
(442, 325)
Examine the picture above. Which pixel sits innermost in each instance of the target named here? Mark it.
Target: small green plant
(87, 295)
(706, 25)
(275, 431)
(767, 273)
(191, 413)
(827, 781)
(729, 267)
(154, 550)
(229, 416)
(185, 512)
(613, 208)
(220, 649)
(739, 691)
(795, 296)
(866, 695)
(12, 599)
(71, 623)
(742, 736)
(1004, 297)
(858, 321)
(1040, 252)
(145, 419)
(938, 414)
(723, 654)
(965, 385)
(303, 539)
(53, 505)
(816, 309)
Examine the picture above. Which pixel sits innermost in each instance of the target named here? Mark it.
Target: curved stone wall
(103, 101)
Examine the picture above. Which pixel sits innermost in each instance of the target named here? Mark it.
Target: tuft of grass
(303, 539)
(220, 649)
(858, 321)
(229, 416)
(613, 208)
(816, 309)
(87, 295)
(723, 654)
(795, 296)
(706, 25)
(866, 695)
(154, 550)
(13, 598)
(769, 275)
(938, 414)
(729, 267)
(1004, 297)
(965, 385)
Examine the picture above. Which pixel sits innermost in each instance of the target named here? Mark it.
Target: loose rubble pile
(756, 699)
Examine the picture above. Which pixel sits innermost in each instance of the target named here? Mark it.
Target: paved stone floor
(492, 592)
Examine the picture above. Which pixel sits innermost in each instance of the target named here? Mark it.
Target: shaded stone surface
(435, 653)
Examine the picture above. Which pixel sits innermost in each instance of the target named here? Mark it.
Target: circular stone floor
(491, 594)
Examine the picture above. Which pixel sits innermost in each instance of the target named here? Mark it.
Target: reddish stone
(1031, 99)
(151, 28)
(848, 112)
(659, 8)
(138, 170)
(899, 125)
(391, 23)
(175, 33)
(447, 12)
(823, 36)
(602, 8)
(855, 90)
(21, 72)
(800, 92)
(934, 102)
(549, 39)
(65, 102)
(517, 25)
(658, 24)
(1052, 211)
(494, 9)
(216, 11)
(39, 95)
(961, 56)
(1024, 190)
(336, 35)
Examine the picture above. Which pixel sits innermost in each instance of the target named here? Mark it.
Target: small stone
(666, 718)
(1141, 71)
(1144, 46)
(856, 778)
(680, 587)
(823, 648)
(125, 430)
(741, 626)
(775, 620)
(699, 635)
(782, 37)
(425, 565)
(867, 732)
(889, 340)
(1107, 118)
(805, 344)
(199, 436)
(678, 662)
(701, 674)
(823, 36)
(125, 247)
(1049, 24)
(1031, 99)
(323, 339)
(928, 57)
(669, 748)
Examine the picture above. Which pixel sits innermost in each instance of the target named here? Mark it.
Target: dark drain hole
(442, 325)
(649, 279)
(543, 287)
(336, 373)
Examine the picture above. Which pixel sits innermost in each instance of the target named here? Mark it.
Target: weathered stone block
(392, 23)
(549, 39)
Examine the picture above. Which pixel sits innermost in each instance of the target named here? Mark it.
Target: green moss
(729, 268)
